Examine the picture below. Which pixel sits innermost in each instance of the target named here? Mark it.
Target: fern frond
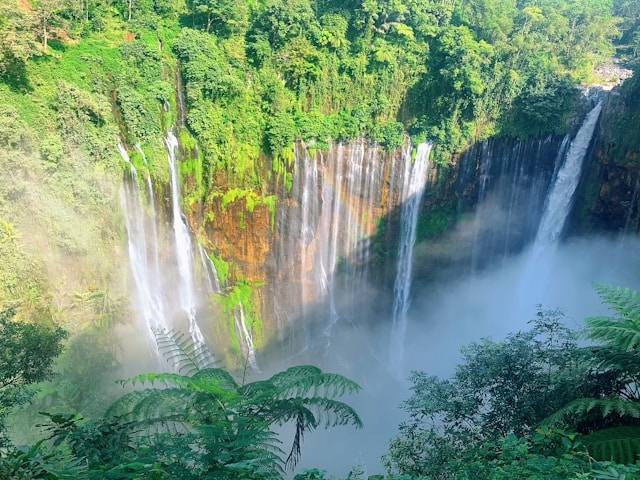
(618, 444)
(127, 402)
(332, 413)
(244, 447)
(607, 358)
(218, 376)
(170, 402)
(625, 301)
(606, 406)
(621, 333)
(182, 352)
(307, 379)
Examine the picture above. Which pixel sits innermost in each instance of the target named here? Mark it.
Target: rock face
(608, 196)
(487, 205)
(314, 252)
(334, 232)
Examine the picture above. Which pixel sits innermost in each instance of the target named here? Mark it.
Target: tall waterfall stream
(324, 239)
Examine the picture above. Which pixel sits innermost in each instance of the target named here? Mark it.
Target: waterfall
(324, 237)
(414, 180)
(557, 207)
(213, 282)
(244, 332)
(246, 339)
(559, 201)
(506, 181)
(183, 246)
(141, 248)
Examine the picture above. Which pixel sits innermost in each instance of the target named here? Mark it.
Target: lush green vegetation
(241, 80)
(196, 423)
(258, 75)
(77, 77)
(506, 410)
(539, 404)
(620, 132)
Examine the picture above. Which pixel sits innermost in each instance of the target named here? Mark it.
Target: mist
(446, 315)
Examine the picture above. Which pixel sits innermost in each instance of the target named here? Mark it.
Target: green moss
(222, 268)
(251, 200)
(241, 295)
(434, 223)
(282, 167)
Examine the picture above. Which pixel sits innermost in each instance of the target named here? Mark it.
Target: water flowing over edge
(183, 246)
(415, 177)
(560, 199)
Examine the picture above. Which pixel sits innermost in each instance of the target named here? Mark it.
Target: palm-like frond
(231, 423)
(217, 376)
(625, 301)
(618, 444)
(621, 332)
(248, 448)
(152, 403)
(179, 350)
(606, 358)
(332, 413)
(307, 379)
(605, 406)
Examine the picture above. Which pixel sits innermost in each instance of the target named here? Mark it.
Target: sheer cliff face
(319, 239)
(492, 199)
(609, 194)
(335, 231)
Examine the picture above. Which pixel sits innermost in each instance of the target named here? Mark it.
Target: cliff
(607, 198)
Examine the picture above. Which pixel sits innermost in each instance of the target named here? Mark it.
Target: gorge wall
(312, 258)
(608, 195)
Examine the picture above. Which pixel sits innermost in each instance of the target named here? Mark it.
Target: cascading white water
(539, 262)
(245, 335)
(414, 180)
(338, 206)
(148, 295)
(559, 201)
(246, 338)
(213, 282)
(155, 242)
(183, 246)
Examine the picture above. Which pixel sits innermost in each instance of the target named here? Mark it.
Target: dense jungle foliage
(259, 74)
(77, 77)
(539, 404)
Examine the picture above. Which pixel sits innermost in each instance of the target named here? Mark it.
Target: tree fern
(232, 422)
(605, 358)
(305, 379)
(617, 361)
(618, 444)
(182, 352)
(605, 406)
(625, 301)
(621, 332)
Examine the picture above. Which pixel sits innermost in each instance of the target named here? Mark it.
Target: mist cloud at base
(445, 316)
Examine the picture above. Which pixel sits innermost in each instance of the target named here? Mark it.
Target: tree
(17, 38)
(616, 358)
(500, 389)
(27, 352)
(201, 423)
(225, 17)
(48, 14)
(282, 21)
